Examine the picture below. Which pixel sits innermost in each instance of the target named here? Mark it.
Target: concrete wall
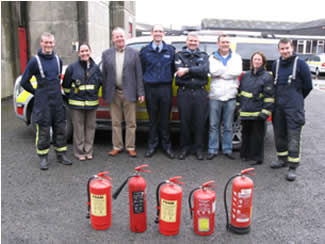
(98, 27)
(10, 65)
(59, 18)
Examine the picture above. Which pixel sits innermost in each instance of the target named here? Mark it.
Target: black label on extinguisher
(138, 202)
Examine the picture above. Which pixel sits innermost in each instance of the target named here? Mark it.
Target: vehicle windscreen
(245, 50)
(138, 46)
(207, 47)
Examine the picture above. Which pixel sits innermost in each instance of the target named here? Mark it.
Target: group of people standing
(129, 76)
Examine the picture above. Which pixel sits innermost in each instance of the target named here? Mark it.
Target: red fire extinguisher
(99, 190)
(137, 199)
(204, 209)
(169, 206)
(241, 204)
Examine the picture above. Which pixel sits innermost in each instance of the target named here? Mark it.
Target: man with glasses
(157, 60)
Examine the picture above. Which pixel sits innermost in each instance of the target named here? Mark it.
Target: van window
(245, 50)
(137, 46)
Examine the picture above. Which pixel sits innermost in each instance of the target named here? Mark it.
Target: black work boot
(62, 159)
(278, 164)
(291, 174)
(44, 163)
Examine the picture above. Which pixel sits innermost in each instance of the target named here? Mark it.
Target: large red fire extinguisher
(204, 208)
(169, 204)
(241, 204)
(137, 199)
(99, 190)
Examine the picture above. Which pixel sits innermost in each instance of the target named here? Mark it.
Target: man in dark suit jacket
(122, 87)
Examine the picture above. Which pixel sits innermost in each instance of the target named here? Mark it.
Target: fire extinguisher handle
(104, 175)
(247, 171)
(140, 168)
(208, 184)
(175, 180)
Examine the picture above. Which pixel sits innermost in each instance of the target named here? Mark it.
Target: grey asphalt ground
(39, 207)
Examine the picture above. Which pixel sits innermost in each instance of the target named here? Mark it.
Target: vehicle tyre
(317, 73)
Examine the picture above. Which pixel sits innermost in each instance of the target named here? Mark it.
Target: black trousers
(253, 132)
(159, 104)
(43, 137)
(288, 134)
(193, 110)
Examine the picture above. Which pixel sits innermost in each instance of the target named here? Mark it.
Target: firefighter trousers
(252, 146)
(288, 136)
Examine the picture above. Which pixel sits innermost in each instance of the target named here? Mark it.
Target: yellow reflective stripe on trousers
(248, 114)
(282, 154)
(61, 149)
(297, 160)
(83, 103)
(40, 152)
(267, 112)
(269, 100)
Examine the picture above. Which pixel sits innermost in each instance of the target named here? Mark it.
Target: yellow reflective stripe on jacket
(40, 152)
(269, 100)
(66, 90)
(267, 112)
(83, 103)
(246, 94)
(61, 149)
(249, 114)
(282, 154)
(84, 87)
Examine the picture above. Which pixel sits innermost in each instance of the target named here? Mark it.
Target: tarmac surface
(41, 207)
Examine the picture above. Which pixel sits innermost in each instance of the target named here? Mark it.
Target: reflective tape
(61, 149)
(267, 112)
(40, 152)
(246, 94)
(282, 154)
(249, 114)
(269, 100)
(83, 103)
(66, 90)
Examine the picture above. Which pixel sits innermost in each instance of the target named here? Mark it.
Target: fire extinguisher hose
(190, 202)
(158, 201)
(88, 194)
(118, 190)
(225, 200)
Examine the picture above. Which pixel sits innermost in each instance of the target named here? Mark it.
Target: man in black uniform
(293, 83)
(192, 67)
(48, 109)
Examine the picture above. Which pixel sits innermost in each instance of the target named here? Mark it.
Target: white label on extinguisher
(168, 210)
(245, 193)
(98, 205)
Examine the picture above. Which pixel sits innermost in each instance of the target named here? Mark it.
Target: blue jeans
(228, 108)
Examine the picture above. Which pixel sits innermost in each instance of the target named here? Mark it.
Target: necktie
(157, 49)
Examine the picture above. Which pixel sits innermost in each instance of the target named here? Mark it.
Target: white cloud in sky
(177, 13)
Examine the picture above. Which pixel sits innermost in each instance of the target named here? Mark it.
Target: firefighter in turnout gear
(256, 96)
(293, 83)
(48, 108)
(192, 67)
